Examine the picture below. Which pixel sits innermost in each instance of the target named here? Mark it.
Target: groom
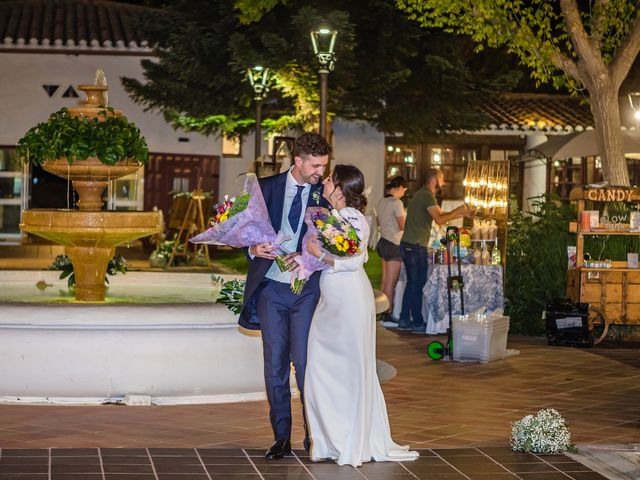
(269, 304)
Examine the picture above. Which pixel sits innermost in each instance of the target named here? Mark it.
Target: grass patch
(374, 268)
(235, 261)
(232, 260)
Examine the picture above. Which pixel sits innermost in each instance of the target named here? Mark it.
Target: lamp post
(323, 41)
(258, 77)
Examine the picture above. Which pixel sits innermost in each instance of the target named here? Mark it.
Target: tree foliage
(590, 45)
(389, 72)
(546, 35)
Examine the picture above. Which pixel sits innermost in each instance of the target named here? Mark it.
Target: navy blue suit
(283, 317)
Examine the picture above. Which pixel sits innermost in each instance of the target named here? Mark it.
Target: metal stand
(436, 350)
(191, 227)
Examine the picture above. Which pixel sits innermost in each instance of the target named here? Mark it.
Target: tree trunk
(608, 130)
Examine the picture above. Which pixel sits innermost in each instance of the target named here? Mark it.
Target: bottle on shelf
(486, 258)
(496, 258)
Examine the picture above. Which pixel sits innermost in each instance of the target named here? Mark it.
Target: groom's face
(312, 167)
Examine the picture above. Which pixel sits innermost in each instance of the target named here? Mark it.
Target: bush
(536, 269)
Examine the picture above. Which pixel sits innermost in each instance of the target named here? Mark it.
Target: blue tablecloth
(482, 288)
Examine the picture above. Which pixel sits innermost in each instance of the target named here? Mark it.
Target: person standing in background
(391, 219)
(422, 211)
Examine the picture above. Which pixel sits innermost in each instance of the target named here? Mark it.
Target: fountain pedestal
(88, 264)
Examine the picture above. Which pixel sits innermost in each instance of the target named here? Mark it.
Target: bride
(345, 407)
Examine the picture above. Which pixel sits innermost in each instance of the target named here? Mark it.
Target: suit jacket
(273, 190)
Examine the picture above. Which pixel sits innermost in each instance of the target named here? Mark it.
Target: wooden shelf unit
(614, 291)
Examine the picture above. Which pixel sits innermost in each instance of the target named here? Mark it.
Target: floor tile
(462, 427)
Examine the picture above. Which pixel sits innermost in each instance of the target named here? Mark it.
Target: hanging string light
(487, 185)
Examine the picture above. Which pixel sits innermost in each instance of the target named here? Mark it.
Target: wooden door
(167, 173)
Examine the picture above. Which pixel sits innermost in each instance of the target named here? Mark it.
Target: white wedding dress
(345, 407)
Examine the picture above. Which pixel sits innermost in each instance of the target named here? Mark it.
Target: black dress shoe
(279, 449)
(306, 443)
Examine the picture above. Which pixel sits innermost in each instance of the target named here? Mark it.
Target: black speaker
(567, 323)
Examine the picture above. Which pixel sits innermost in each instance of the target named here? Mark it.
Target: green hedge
(536, 266)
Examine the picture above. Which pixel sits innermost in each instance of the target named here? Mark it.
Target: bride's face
(330, 192)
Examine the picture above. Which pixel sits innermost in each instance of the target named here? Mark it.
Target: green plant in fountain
(162, 254)
(110, 139)
(231, 293)
(536, 261)
(117, 264)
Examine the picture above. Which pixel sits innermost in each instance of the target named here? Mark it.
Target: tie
(296, 209)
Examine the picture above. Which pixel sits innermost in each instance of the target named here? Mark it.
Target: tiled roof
(69, 25)
(543, 112)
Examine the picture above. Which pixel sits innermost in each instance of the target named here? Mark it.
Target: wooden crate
(615, 292)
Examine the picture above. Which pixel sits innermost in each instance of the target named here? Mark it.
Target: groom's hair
(310, 143)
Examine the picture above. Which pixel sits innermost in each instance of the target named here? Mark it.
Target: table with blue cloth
(482, 288)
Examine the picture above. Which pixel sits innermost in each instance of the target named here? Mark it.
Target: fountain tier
(90, 239)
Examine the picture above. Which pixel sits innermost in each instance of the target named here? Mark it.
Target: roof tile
(532, 111)
(69, 24)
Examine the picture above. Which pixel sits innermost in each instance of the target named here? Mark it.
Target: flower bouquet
(241, 221)
(337, 237)
(544, 432)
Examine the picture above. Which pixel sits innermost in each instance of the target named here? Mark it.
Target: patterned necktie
(296, 209)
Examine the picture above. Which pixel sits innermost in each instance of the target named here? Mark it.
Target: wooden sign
(608, 194)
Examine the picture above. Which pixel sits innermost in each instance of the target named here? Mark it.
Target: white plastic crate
(480, 338)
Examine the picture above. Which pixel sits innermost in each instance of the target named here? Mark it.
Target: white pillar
(534, 181)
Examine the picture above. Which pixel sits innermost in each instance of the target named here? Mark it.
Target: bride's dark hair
(351, 181)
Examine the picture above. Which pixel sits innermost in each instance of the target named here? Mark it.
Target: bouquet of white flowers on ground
(544, 432)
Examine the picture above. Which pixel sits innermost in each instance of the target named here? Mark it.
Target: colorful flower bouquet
(544, 432)
(229, 207)
(337, 237)
(241, 221)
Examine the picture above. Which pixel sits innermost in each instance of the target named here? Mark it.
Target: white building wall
(360, 144)
(24, 102)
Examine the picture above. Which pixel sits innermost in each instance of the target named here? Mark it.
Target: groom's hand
(263, 250)
(288, 258)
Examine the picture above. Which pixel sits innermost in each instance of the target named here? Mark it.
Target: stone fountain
(90, 234)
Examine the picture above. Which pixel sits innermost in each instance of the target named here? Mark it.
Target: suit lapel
(278, 191)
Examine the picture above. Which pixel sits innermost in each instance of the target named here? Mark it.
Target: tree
(390, 72)
(590, 46)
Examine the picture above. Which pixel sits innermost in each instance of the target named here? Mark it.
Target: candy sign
(609, 195)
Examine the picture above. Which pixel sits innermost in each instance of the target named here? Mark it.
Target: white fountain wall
(191, 351)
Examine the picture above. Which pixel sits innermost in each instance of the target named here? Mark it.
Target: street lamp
(258, 77)
(323, 41)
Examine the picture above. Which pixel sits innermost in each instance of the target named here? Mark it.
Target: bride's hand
(313, 247)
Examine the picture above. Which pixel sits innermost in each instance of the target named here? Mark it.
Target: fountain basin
(90, 239)
(177, 347)
(74, 228)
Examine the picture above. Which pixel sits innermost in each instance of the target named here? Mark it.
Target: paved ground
(249, 464)
(433, 406)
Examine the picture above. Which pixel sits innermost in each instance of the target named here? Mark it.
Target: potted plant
(89, 144)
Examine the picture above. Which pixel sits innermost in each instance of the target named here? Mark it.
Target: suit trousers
(285, 319)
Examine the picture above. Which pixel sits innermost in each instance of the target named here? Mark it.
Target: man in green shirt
(422, 211)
